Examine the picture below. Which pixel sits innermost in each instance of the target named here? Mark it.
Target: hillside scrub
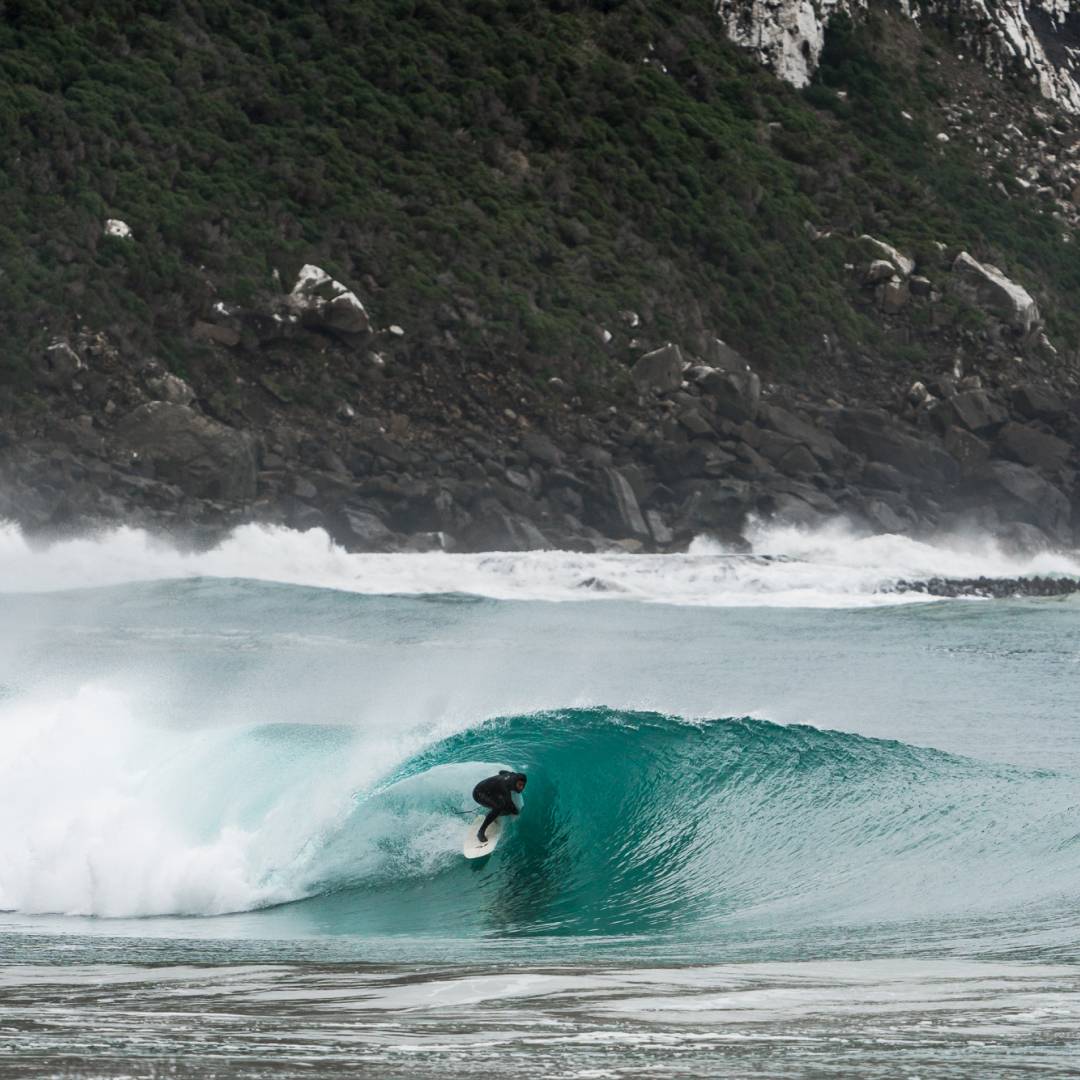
(504, 177)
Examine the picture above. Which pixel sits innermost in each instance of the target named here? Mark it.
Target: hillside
(521, 199)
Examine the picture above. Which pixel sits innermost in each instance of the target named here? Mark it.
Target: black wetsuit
(495, 794)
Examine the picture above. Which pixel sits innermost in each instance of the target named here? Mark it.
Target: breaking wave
(830, 567)
(634, 823)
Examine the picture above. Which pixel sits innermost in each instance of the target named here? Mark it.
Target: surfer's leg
(483, 828)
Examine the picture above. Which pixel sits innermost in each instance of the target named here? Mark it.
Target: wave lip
(830, 567)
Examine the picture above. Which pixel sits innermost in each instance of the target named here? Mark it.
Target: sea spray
(829, 567)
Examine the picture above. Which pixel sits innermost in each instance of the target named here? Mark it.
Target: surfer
(495, 793)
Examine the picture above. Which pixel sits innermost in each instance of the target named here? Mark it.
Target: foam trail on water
(829, 567)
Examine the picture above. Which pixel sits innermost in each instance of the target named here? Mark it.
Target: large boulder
(1030, 446)
(718, 507)
(988, 287)
(736, 394)
(494, 528)
(360, 528)
(203, 457)
(324, 303)
(1021, 494)
(541, 449)
(628, 519)
(975, 410)
(661, 369)
(902, 264)
(823, 445)
(1037, 402)
(970, 452)
(875, 435)
(59, 364)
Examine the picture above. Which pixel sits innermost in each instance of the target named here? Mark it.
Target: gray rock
(171, 388)
(824, 446)
(1020, 538)
(736, 394)
(723, 356)
(893, 296)
(661, 369)
(718, 506)
(797, 461)
(1029, 446)
(876, 436)
(494, 528)
(518, 480)
(59, 365)
(324, 303)
(987, 286)
(978, 411)
(628, 517)
(969, 451)
(1037, 402)
(772, 445)
(596, 455)
(661, 534)
(877, 474)
(203, 457)
(883, 517)
(363, 530)
(1026, 496)
(541, 448)
(790, 509)
(902, 264)
(695, 423)
(878, 271)
(809, 494)
(220, 335)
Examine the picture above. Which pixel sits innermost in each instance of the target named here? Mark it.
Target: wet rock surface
(397, 445)
(991, 588)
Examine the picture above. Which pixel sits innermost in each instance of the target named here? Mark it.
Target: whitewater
(782, 817)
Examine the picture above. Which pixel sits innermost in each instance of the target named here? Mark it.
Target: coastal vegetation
(505, 177)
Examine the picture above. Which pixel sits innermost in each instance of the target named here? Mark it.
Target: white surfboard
(472, 848)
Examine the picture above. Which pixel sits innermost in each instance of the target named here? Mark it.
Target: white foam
(829, 567)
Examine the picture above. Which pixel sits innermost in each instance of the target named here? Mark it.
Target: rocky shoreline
(415, 448)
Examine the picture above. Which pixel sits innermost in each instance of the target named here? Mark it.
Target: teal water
(759, 836)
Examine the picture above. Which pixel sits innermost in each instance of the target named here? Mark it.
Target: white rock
(788, 36)
(396, 330)
(988, 285)
(120, 229)
(327, 302)
(902, 263)
(171, 388)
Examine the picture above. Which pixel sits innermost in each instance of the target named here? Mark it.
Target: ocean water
(782, 820)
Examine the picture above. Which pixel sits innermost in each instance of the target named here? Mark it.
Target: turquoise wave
(641, 824)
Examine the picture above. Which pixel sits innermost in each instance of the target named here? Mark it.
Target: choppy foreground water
(780, 821)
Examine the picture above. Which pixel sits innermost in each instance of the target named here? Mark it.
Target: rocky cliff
(547, 274)
(1036, 42)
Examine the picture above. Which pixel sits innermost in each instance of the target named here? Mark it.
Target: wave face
(634, 823)
(828, 568)
(176, 741)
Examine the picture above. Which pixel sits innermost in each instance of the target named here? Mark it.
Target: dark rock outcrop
(201, 456)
